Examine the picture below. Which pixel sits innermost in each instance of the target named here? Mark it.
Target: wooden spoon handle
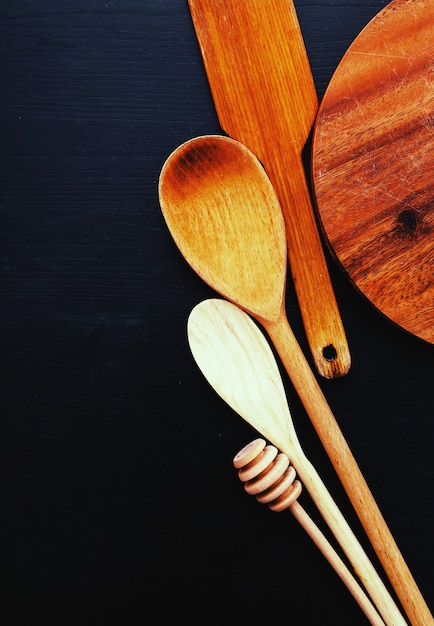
(319, 310)
(273, 481)
(336, 562)
(346, 538)
(348, 471)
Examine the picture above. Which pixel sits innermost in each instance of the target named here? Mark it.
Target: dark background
(118, 497)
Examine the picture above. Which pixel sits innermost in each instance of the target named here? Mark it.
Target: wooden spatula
(264, 94)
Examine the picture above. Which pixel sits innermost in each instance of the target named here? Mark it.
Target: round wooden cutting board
(372, 164)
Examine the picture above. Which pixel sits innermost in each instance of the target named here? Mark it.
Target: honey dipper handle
(348, 471)
(331, 514)
(272, 479)
(336, 562)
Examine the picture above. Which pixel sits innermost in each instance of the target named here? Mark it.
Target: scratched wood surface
(118, 494)
(372, 164)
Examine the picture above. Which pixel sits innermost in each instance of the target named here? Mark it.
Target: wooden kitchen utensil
(237, 361)
(223, 214)
(373, 151)
(269, 477)
(265, 97)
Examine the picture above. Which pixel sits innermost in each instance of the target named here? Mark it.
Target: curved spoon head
(224, 216)
(237, 361)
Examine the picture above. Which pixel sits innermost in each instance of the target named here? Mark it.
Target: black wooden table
(118, 497)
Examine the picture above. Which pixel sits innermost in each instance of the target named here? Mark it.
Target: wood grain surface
(118, 500)
(372, 164)
(265, 97)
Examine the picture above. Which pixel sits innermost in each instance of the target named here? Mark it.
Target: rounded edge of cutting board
(372, 172)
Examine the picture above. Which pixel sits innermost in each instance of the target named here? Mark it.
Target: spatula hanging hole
(329, 353)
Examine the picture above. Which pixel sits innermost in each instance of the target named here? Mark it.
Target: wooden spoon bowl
(223, 213)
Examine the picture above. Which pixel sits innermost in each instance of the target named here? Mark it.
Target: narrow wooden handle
(319, 310)
(352, 547)
(270, 477)
(345, 537)
(336, 562)
(348, 471)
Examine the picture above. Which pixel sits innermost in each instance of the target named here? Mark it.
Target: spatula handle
(348, 471)
(319, 310)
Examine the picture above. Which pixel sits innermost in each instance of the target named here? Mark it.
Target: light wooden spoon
(222, 212)
(237, 361)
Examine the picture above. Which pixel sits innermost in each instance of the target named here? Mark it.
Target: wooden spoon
(223, 214)
(237, 361)
(265, 97)
(373, 164)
